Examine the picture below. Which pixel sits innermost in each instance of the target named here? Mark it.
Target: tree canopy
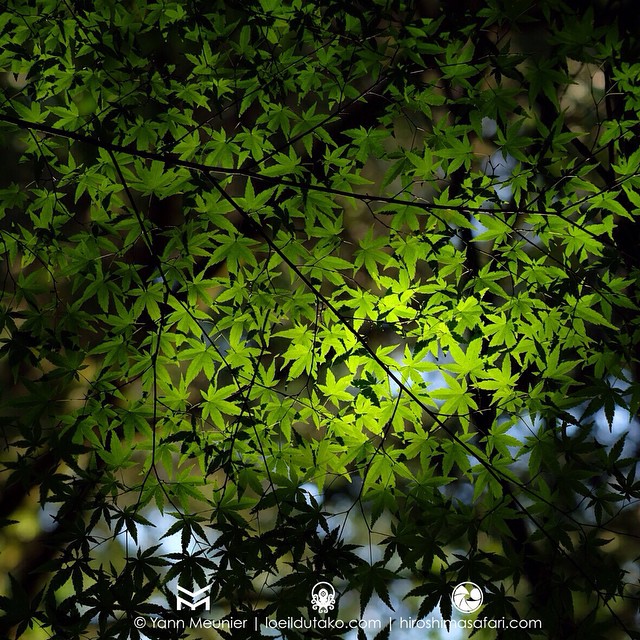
(332, 291)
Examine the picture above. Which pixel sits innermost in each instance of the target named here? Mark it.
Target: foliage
(386, 250)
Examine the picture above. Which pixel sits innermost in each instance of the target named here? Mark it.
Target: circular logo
(323, 597)
(467, 597)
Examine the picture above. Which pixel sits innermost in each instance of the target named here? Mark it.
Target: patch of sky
(523, 427)
(497, 165)
(478, 227)
(520, 427)
(500, 167)
(151, 536)
(405, 626)
(432, 377)
(526, 426)
(622, 421)
(341, 514)
(461, 490)
(47, 516)
(148, 535)
(489, 127)
(311, 490)
(214, 338)
(633, 572)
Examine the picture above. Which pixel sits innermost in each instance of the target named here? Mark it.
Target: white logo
(194, 594)
(323, 597)
(467, 597)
